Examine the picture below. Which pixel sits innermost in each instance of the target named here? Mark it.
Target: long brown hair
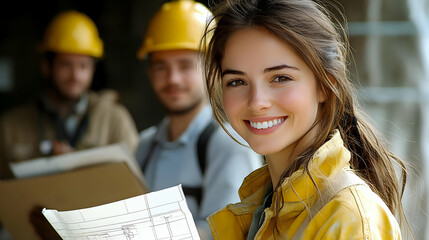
(315, 35)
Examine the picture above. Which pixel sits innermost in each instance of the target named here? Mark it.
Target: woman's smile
(264, 126)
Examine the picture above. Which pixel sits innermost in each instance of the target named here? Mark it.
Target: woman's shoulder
(361, 212)
(362, 199)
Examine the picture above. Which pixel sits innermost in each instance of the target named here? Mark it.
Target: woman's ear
(323, 93)
(332, 79)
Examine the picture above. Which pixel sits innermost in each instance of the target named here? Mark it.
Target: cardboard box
(80, 188)
(118, 152)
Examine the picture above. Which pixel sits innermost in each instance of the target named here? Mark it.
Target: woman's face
(270, 95)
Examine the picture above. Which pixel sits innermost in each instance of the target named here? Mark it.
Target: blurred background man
(187, 147)
(67, 116)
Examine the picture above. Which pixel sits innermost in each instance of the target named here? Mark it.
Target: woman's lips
(265, 126)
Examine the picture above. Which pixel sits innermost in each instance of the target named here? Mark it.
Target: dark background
(121, 25)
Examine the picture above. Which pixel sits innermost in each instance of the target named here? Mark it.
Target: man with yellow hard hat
(67, 116)
(187, 147)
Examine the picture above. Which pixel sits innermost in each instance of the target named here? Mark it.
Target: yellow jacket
(20, 129)
(355, 212)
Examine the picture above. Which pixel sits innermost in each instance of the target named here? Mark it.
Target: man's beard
(62, 96)
(184, 110)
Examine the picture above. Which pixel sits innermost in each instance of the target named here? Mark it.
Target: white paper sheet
(153, 216)
(111, 153)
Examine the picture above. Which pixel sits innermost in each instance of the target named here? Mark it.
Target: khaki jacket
(355, 212)
(21, 129)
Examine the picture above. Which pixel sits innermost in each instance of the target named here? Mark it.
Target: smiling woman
(276, 71)
(269, 83)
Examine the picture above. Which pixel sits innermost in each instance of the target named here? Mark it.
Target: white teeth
(266, 124)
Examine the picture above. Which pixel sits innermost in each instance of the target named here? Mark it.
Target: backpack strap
(202, 142)
(152, 147)
(344, 179)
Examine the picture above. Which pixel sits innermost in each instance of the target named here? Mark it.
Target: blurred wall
(390, 71)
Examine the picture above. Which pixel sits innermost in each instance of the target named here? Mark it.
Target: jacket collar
(330, 158)
(200, 121)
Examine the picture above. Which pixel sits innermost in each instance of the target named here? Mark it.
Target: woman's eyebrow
(231, 71)
(279, 67)
(270, 69)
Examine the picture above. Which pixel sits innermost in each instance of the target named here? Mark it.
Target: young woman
(276, 70)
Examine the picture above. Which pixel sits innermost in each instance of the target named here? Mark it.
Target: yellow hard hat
(177, 25)
(73, 32)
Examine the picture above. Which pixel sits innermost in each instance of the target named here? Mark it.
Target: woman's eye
(282, 78)
(236, 83)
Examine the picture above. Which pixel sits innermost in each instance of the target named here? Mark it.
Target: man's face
(177, 80)
(72, 74)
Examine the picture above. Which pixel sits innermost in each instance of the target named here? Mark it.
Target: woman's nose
(259, 99)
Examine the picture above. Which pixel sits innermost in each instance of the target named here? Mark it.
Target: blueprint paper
(157, 215)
